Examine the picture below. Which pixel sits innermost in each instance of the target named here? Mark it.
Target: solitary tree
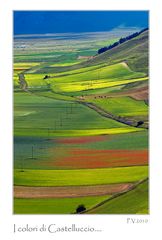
(80, 208)
(46, 76)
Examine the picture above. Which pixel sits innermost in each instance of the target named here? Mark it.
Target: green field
(133, 140)
(123, 106)
(63, 118)
(79, 177)
(132, 202)
(54, 206)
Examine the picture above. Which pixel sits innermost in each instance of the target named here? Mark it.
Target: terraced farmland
(80, 126)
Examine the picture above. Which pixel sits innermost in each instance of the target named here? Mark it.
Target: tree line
(121, 40)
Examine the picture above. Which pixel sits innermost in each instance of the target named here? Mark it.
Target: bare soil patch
(70, 192)
(136, 93)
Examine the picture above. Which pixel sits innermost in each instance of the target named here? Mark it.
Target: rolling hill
(129, 52)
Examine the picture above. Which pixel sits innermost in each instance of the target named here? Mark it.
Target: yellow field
(25, 65)
(94, 132)
(96, 84)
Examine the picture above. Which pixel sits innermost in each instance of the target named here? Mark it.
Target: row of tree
(121, 40)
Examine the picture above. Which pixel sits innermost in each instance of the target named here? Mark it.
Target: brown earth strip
(70, 192)
(136, 93)
(141, 95)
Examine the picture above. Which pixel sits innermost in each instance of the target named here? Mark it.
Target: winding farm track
(70, 191)
(22, 82)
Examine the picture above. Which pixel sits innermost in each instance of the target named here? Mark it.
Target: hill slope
(134, 52)
(132, 202)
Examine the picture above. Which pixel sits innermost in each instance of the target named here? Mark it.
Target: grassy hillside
(129, 51)
(132, 202)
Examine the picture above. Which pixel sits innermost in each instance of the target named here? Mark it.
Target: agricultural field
(80, 124)
(117, 205)
(55, 205)
(123, 106)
